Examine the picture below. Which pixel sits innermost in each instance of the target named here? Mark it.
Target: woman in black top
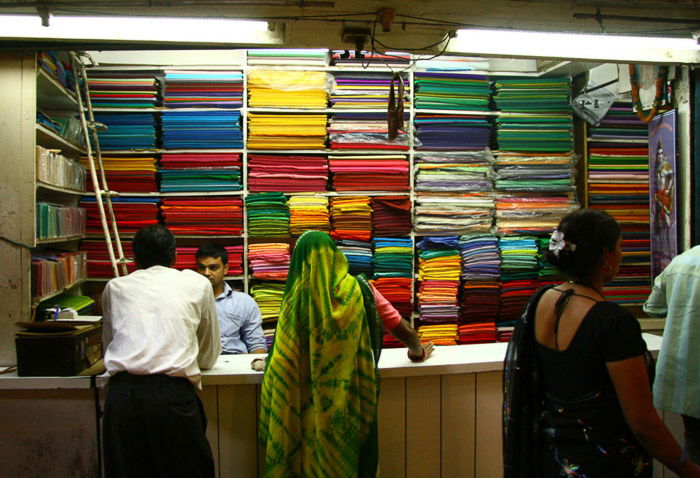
(577, 399)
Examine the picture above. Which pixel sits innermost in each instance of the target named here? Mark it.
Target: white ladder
(102, 191)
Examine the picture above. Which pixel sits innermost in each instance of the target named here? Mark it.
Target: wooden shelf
(60, 189)
(49, 139)
(52, 95)
(56, 240)
(37, 300)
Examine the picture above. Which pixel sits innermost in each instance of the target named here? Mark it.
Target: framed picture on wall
(663, 181)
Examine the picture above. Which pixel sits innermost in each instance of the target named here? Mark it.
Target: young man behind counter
(240, 320)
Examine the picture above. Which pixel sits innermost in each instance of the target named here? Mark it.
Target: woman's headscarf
(320, 389)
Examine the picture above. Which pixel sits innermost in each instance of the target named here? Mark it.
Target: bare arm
(408, 336)
(632, 387)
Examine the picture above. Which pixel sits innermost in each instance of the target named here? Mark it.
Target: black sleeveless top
(607, 333)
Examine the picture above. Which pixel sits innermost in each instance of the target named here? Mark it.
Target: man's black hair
(212, 249)
(154, 245)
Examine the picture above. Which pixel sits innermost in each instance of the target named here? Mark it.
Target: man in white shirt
(160, 329)
(240, 320)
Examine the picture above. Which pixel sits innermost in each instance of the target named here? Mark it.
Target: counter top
(235, 369)
(394, 363)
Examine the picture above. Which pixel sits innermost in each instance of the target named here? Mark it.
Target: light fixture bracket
(358, 36)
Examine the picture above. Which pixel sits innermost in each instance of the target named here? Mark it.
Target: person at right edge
(577, 392)
(676, 295)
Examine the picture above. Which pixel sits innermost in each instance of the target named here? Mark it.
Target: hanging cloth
(395, 110)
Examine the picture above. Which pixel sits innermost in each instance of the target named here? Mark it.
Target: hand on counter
(427, 351)
(258, 364)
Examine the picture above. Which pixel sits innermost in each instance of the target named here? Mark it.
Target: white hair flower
(557, 243)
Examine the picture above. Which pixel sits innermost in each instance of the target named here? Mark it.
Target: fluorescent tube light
(158, 30)
(571, 46)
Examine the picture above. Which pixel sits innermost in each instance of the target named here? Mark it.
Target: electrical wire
(15, 243)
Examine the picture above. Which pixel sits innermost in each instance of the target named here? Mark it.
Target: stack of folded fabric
(505, 332)
(546, 272)
(353, 90)
(481, 258)
(359, 255)
(519, 257)
(519, 274)
(530, 94)
(360, 130)
(288, 89)
(122, 89)
(269, 260)
(452, 91)
(480, 291)
(453, 213)
(268, 214)
(534, 173)
(186, 259)
(268, 296)
(438, 272)
(452, 132)
(478, 333)
(288, 56)
(203, 216)
(203, 89)
(50, 63)
(533, 132)
(287, 173)
(99, 264)
(370, 173)
(454, 172)
(202, 129)
(618, 183)
(514, 296)
(393, 271)
(189, 172)
(527, 213)
(127, 173)
(351, 218)
(540, 119)
(480, 301)
(308, 213)
(131, 214)
(127, 131)
(391, 215)
(439, 334)
(288, 131)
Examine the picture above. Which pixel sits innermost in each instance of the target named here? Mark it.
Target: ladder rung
(97, 126)
(109, 193)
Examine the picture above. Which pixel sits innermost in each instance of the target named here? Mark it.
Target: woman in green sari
(320, 390)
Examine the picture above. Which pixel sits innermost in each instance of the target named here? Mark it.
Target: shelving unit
(410, 112)
(57, 99)
(26, 89)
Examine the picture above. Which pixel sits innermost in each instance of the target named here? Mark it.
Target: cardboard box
(58, 353)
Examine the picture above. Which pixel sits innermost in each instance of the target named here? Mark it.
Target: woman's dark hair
(592, 232)
(154, 245)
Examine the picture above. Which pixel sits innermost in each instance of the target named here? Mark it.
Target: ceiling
(405, 25)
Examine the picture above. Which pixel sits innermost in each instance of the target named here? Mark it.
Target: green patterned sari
(321, 386)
